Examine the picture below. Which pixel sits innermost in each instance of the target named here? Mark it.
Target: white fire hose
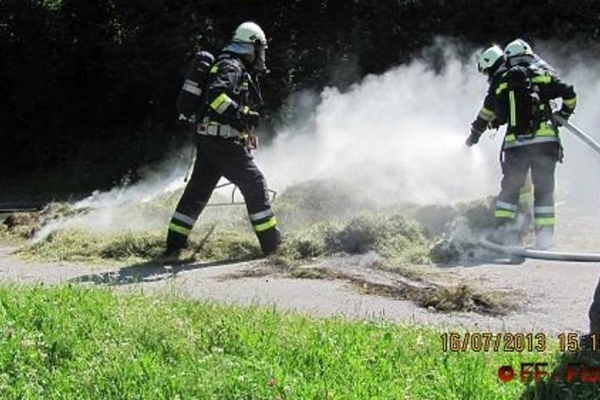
(579, 133)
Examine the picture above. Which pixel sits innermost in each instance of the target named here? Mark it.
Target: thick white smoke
(125, 207)
(400, 136)
(395, 137)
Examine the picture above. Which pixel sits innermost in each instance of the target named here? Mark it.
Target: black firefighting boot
(175, 243)
(544, 237)
(505, 235)
(269, 240)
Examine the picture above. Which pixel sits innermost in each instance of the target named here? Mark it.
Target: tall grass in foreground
(72, 342)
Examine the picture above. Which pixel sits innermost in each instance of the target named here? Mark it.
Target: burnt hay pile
(319, 218)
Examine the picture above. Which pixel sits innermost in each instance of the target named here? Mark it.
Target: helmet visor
(260, 64)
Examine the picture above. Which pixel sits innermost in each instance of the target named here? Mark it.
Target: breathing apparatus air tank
(189, 100)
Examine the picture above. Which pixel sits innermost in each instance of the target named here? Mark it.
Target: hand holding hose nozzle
(561, 115)
(473, 137)
(248, 119)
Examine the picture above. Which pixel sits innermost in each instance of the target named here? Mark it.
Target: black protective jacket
(550, 87)
(227, 91)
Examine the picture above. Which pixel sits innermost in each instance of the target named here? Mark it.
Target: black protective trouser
(217, 157)
(541, 160)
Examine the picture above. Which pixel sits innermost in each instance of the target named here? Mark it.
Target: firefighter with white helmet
(520, 52)
(223, 141)
(490, 60)
(519, 96)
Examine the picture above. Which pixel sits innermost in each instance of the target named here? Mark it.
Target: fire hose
(524, 252)
(517, 251)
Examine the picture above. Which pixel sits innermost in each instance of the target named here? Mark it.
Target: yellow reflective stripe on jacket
(536, 79)
(571, 103)
(541, 79)
(504, 214)
(544, 134)
(486, 115)
(179, 229)
(501, 87)
(545, 130)
(214, 69)
(510, 141)
(545, 221)
(513, 108)
(266, 225)
(221, 103)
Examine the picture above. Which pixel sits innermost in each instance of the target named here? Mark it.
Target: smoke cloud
(400, 136)
(394, 137)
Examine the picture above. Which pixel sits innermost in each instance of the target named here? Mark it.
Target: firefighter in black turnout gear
(519, 96)
(490, 61)
(223, 141)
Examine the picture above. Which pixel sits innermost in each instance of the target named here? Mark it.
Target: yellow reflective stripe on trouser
(503, 205)
(184, 218)
(545, 221)
(271, 222)
(504, 214)
(544, 209)
(261, 215)
(179, 229)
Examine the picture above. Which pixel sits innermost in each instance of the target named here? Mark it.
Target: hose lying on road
(538, 254)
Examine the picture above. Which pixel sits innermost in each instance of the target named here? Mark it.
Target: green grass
(73, 342)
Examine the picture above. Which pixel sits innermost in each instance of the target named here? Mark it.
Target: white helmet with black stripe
(250, 35)
(250, 32)
(516, 48)
(490, 59)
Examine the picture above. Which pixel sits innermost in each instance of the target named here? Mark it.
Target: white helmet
(488, 58)
(516, 48)
(249, 32)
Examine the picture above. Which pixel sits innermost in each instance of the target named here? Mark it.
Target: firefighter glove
(473, 137)
(249, 118)
(562, 113)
